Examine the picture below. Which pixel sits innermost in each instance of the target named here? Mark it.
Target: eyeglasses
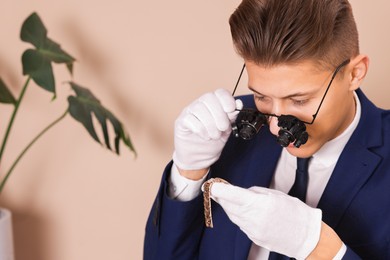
(344, 63)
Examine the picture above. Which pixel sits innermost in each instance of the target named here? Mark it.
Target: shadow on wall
(9, 76)
(30, 224)
(29, 228)
(96, 61)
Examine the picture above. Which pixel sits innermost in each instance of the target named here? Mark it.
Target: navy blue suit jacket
(355, 203)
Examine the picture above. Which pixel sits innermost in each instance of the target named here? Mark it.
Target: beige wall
(145, 60)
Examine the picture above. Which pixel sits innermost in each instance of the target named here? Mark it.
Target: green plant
(37, 65)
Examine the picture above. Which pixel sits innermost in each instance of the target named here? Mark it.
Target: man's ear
(358, 70)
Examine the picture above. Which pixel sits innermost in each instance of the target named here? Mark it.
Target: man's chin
(303, 151)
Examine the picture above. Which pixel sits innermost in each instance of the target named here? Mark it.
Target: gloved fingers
(231, 106)
(235, 212)
(276, 194)
(233, 115)
(239, 104)
(219, 107)
(259, 190)
(271, 218)
(235, 218)
(226, 100)
(225, 136)
(200, 120)
(211, 115)
(246, 217)
(190, 123)
(267, 191)
(231, 194)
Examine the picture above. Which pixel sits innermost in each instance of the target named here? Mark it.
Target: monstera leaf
(5, 95)
(84, 105)
(37, 63)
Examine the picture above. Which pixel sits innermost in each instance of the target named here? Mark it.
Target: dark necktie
(299, 187)
(298, 190)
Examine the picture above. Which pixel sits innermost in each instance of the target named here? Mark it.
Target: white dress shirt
(320, 169)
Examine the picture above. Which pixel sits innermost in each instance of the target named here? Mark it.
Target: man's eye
(299, 102)
(260, 98)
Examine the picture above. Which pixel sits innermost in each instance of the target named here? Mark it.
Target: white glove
(203, 128)
(271, 219)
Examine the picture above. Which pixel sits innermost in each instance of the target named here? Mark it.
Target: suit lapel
(355, 165)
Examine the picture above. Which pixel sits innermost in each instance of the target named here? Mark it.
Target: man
(303, 63)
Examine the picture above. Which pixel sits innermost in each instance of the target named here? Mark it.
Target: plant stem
(28, 147)
(11, 122)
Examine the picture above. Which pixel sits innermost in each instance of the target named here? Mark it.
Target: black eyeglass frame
(344, 63)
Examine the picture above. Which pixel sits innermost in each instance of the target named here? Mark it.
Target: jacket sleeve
(350, 255)
(174, 228)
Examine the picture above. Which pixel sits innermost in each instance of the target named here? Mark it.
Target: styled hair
(272, 32)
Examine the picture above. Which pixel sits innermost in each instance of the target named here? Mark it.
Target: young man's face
(297, 90)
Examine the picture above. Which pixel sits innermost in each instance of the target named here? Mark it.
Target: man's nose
(277, 109)
(273, 125)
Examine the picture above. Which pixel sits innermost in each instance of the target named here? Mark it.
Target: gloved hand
(271, 219)
(203, 128)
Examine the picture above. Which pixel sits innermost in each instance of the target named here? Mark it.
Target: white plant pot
(6, 238)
